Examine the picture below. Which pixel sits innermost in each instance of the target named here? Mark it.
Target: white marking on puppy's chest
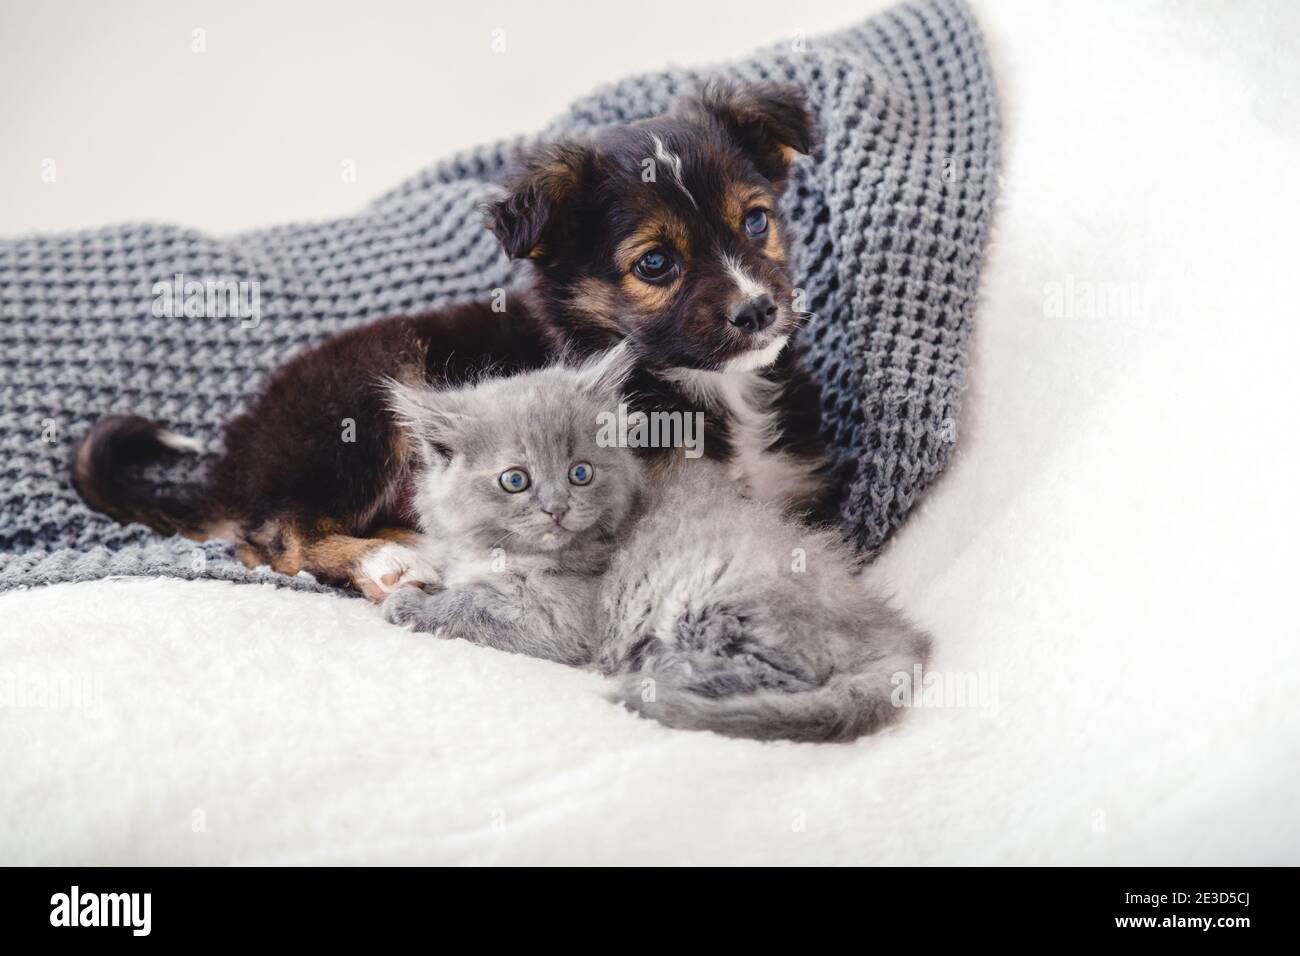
(746, 399)
(753, 429)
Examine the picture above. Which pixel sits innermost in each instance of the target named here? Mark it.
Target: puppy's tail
(695, 692)
(100, 465)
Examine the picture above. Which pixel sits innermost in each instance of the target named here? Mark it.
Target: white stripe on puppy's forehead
(749, 287)
(674, 164)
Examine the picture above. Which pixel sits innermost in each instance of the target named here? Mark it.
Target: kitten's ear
(435, 419)
(537, 210)
(603, 377)
(770, 122)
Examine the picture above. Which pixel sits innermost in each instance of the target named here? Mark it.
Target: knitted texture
(889, 220)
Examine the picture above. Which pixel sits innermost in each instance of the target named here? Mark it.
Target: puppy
(666, 229)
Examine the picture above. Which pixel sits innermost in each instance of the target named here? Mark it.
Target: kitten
(712, 611)
(521, 509)
(723, 615)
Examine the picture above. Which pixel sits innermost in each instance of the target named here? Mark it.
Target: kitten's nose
(557, 511)
(754, 315)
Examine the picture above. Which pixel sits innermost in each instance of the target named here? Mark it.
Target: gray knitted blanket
(891, 217)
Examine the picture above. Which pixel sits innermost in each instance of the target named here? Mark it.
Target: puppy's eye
(514, 480)
(756, 223)
(582, 473)
(655, 266)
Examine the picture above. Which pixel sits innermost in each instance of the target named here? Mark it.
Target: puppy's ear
(537, 210)
(435, 419)
(771, 123)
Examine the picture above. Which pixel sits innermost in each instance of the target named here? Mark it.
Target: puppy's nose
(754, 315)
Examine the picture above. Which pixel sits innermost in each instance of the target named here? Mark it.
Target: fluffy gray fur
(723, 615)
(513, 576)
(710, 611)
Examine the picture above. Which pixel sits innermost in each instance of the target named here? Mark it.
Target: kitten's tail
(99, 474)
(689, 692)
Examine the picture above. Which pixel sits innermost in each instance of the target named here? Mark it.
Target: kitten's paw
(404, 606)
(390, 568)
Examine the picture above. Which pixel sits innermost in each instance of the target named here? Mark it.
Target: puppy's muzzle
(754, 315)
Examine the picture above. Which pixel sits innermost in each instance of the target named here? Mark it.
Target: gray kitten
(711, 610)
(521, 510)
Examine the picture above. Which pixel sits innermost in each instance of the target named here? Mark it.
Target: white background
(254, 130)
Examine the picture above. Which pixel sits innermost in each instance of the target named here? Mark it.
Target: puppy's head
(668, 228)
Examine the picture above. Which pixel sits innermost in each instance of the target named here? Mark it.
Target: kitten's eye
(756, 223)
(514, 480)
(582, 473)
(655, 266)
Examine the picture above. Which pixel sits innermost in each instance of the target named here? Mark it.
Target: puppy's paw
(405, 606)
(391, 567)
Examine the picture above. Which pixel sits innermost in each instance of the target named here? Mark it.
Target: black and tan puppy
(666, 228)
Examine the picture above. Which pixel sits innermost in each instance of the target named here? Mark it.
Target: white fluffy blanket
(1112, 550)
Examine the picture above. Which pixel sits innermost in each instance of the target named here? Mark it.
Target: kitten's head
(514, 462)
(669, 228)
